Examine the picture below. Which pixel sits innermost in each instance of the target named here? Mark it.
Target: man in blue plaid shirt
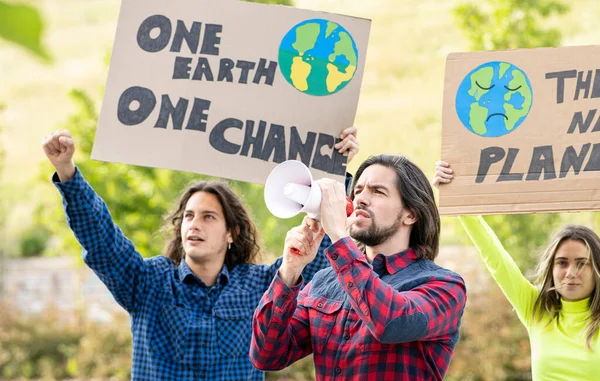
(191, 309)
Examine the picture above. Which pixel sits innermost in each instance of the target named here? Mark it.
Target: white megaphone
(290, 190)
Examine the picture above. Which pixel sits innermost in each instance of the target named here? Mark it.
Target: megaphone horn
(290, 190)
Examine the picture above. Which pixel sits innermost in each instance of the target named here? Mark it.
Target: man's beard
(375, 235)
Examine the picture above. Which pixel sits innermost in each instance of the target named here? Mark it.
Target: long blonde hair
(548, 300)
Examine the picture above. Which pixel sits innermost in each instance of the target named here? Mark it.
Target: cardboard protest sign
(521, 131)
(229, 88)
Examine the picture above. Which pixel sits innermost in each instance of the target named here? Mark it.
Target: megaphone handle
(349, 206)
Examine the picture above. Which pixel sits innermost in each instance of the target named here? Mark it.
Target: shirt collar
(186, 274)
(575, 307)
(395, 262)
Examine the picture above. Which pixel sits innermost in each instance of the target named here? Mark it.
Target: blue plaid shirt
(182, 329)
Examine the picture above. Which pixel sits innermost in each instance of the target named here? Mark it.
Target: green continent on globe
(477, 113)
(503, 68)
(331, 26)
(306, 38)
(513, 114)
(342, 47)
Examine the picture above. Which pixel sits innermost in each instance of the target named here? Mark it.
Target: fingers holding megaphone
(316, 228)
(301, 247)
(334, 208)
(304, 240)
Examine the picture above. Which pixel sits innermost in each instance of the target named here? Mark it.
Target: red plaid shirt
(397, 319)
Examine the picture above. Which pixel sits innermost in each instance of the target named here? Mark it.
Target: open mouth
(497, 114)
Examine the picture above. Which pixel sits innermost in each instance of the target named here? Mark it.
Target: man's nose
(195, 224)
(361, 199)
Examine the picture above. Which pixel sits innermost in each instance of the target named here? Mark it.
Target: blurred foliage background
(53, 65)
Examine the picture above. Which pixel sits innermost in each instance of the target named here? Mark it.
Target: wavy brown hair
(416, 194)
(244, 248)
(548, 301)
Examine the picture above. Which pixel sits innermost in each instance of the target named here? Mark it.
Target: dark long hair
(416, 194)
(548, 301)
(244, 247)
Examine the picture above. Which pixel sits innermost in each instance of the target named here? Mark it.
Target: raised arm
(105, 249)
(280, 328)
(517, 289)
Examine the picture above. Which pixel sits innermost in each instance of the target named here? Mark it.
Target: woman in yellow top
(562, 311)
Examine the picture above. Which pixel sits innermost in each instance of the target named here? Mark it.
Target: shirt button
(350, 284)
(275, 325)
(203, 345)
(320, 305)
(346, 336)
(334, 257)
(338, 371)
(285, 297)
(202, 375)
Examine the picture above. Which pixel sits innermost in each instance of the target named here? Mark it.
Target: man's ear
(233, 234)
(409, 217)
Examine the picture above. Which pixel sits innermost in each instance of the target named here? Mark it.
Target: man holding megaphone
(384, 310)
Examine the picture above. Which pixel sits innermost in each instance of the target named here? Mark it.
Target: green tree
(509, 24)
(2, 195)
(512, 24)
(23, 25)
(3, 212)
